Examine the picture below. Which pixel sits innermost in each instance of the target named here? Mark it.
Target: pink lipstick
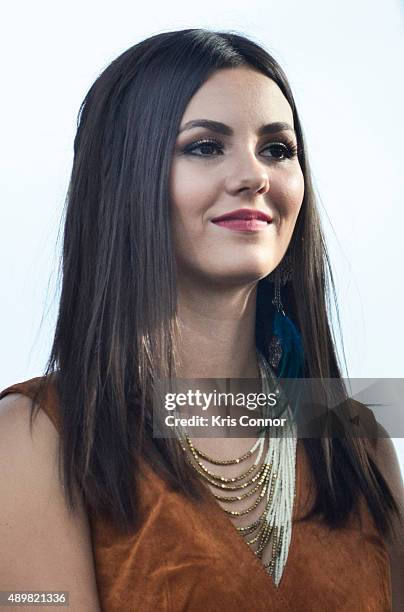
(244, 219)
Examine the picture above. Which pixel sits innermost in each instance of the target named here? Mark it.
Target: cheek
(190, 196)
(289, 192)
(185, 214)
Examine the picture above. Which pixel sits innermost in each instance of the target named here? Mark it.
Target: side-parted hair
(117, 330)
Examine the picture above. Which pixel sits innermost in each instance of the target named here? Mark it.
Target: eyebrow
(222, 128)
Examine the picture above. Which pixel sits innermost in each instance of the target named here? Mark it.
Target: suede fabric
(189, 556)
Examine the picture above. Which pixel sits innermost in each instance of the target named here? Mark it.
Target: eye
(282, 150)
(205, 146)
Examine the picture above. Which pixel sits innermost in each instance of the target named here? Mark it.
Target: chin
(242, 275)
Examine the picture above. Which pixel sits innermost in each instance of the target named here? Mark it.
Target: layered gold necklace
(273, 481)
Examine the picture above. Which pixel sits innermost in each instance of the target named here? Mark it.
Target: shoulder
(386, 460)
(379, 446)
(27, 454)
(384, 454)
(15, 411)
(45, 544)
(40, 391)
(381, 450)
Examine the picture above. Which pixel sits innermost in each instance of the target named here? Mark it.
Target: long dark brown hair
(117, 328)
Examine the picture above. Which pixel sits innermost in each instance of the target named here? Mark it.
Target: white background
(344, 61)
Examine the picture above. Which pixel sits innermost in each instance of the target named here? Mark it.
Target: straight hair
(117, 330)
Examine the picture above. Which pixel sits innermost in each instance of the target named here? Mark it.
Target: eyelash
(290, 149)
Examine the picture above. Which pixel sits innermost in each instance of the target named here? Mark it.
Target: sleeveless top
(189, 556)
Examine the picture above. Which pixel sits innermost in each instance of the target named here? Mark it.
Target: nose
(249, 175)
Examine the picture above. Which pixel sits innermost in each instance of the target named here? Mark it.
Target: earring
(275, 351)
(282, 274)
(282, 324)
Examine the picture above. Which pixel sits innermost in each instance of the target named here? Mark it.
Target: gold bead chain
(271, 478)
(265, 479)
(221, 461)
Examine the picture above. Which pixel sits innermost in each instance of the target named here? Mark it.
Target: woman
(192, 248)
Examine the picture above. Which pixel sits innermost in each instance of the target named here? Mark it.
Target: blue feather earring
(285, 348)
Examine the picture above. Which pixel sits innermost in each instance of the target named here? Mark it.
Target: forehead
(239, 94)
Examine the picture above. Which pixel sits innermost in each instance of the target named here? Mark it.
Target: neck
(218, 333)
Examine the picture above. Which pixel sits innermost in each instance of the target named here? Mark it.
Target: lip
(244, 219)
(243, 225)
(244, 214)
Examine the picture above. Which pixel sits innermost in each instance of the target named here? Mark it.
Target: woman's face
(245, 159)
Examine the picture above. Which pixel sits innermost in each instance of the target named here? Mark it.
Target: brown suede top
(190, 557)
